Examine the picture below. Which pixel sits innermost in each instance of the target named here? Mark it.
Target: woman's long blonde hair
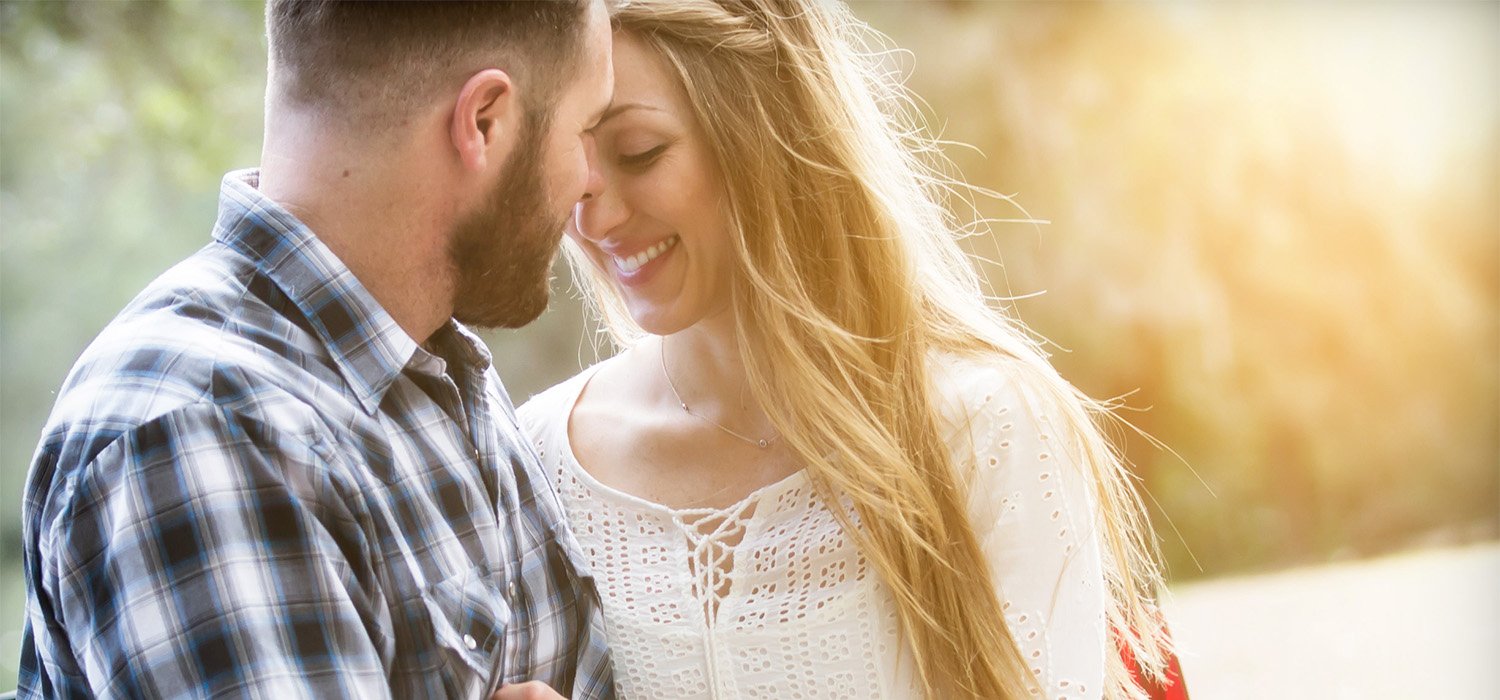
(849, 276)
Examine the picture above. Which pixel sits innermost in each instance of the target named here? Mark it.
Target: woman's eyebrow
(616, 109)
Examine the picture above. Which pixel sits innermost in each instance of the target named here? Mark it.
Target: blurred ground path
(1418, 625)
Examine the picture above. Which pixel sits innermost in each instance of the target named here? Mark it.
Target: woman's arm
(1034, 513)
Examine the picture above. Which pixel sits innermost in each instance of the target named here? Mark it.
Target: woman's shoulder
(967, 384)
(986, 402)
(550, 407)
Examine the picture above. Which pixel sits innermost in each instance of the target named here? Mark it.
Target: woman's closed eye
(643, 158)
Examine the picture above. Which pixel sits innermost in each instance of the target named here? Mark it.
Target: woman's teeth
(634, 262)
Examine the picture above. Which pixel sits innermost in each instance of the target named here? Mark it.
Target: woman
(822, 465)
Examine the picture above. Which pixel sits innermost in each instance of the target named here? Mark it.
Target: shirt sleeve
(206, 554)
(1035, 515)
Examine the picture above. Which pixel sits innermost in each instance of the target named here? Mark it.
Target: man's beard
(502, 254)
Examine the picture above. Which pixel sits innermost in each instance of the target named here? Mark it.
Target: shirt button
(510, 590)
(470, 643)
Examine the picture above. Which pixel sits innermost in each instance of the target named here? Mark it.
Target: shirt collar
(365, 342)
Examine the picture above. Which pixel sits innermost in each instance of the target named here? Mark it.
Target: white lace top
(792, 609)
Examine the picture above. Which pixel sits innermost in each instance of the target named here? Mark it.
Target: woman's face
(659, 227)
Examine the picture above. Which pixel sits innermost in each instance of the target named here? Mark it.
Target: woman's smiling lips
(637, 268)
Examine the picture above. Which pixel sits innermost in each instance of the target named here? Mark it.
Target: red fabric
(1170, 687)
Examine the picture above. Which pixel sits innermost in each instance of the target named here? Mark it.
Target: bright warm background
(1274, 225)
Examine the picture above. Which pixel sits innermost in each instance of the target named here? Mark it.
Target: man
(285, 469)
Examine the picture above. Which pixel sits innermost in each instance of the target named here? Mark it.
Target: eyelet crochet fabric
(769, 598)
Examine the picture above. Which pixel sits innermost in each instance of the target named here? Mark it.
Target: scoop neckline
(570, 460)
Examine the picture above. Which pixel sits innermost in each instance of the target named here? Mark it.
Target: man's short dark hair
(376, 61)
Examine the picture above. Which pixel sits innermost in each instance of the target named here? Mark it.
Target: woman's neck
(703, 368)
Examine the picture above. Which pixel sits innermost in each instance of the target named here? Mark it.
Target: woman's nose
(597, 215)
(594, 180)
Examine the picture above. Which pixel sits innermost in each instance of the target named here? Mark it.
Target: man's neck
(377, 218)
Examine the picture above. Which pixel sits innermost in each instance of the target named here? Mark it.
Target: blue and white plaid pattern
(255, 484)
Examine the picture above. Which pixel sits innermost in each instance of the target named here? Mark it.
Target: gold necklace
(762, 443)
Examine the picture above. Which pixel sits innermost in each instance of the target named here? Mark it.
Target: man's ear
(486, 119)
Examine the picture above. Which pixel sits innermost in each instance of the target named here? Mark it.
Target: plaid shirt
(254, 483)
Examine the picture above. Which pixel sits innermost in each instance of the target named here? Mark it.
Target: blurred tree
(116, 122)
(1313, 329)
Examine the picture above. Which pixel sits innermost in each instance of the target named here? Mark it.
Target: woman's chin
(657, 321)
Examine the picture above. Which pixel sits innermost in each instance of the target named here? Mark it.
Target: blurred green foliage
(1315, 333)
(1277, 225)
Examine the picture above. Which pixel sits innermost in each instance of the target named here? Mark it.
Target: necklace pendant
(762, 443)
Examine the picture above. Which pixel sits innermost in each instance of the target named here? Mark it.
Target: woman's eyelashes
(643, 158)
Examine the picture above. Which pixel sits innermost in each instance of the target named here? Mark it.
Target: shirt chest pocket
(470, 614)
